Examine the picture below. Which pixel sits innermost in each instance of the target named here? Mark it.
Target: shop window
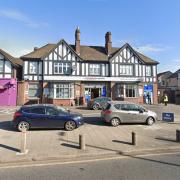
(33, 90)
(62, 68)
(148, 71)
(63, 91)
(126, 90)
(126, 70)
(1, 66)
(33, 67)
(94, 69)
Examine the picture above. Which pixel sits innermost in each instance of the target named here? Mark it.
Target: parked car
(46, 116)
(117, 112)
(98, 103)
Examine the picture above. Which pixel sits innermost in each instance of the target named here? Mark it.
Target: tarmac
(101, 139)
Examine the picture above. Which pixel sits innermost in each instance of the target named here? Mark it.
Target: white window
(33, 67)
(34, 90)
(126, 70)
(1, 66)
(126, 90)
(148, 71)
(62, 68)
(63, 91)
(94, 69)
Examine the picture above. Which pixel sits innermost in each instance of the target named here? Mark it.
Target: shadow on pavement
(6, 125)
(123, 142)
(9, 148)
(94, 121)
(165, 139)
(70, 145)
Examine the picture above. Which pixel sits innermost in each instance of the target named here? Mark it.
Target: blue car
(46, 116)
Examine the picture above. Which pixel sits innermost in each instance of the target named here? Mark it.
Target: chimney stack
(77, 41)
(108, 43)
(35, 48)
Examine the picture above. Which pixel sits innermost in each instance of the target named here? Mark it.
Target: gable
(126, 55)
(62, 51)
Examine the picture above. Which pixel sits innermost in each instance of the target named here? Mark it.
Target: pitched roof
(88, 53)
(13, 60)
(94, 53)
(174, 75)
(40, 52)
(159, 74)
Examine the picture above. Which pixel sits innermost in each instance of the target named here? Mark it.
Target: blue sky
(151, 26)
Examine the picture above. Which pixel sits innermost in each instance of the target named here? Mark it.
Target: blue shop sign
(168, 117)
(104, 91)
(148, 88)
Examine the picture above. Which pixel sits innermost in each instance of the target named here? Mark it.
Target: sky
(150, 26)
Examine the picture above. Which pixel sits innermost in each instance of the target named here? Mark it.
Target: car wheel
(115, 122)
(95, 107)
(23, 125)
(70, 125)
(150, 121)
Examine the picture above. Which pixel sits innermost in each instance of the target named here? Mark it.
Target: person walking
(165, 99)
(149, 98)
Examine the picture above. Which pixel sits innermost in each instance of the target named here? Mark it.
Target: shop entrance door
(95, 92)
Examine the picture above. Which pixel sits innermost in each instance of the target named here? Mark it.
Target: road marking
(83, 161)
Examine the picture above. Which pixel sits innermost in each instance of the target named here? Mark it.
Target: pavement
(101, 139)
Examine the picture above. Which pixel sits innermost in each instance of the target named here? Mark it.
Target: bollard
(82, 142)
(134, 138)
(177, 135)
(23, 149)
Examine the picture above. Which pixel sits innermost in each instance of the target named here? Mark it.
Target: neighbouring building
(63, 73)
(10, 72)
(169, 83)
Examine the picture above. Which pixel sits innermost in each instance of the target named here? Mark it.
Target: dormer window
(62, 68)
(33, 67)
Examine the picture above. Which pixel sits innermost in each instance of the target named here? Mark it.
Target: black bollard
(82, 142)
(134, 138)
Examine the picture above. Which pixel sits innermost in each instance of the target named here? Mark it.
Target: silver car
(117, 112)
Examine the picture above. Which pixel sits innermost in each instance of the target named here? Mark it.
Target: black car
(46, 116)
(98, 103)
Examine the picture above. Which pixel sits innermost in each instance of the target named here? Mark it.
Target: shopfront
(8, 92)
(94, 90)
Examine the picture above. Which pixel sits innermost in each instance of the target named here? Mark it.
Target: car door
(125, 114)
(55, 118)
(36, 117)
(140, 115)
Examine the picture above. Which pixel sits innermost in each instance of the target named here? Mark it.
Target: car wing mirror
(141, 111)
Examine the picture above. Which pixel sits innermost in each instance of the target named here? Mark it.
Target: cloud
(151, 48)
(19, 16)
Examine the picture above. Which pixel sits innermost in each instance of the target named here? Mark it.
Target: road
(158, 167)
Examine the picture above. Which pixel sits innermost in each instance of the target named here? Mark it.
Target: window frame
(124, 70)
(62, 65)
(94, 71)
(148, 70)
(61, 87)
(1, 62)
(34, 67)
(37, 89)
